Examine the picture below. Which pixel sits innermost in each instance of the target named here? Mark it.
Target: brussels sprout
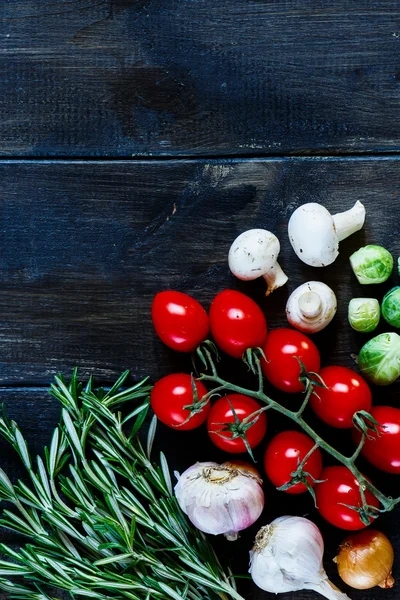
(372, 264)
(391, 307)
(364, 314)
(379, 359)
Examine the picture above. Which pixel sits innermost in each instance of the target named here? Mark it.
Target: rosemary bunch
(100, 518)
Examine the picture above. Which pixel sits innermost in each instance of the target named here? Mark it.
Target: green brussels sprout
(391, 306)
(364, 314)
(372, 264)
(379, 359)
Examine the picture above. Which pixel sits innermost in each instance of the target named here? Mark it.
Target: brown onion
(365, 560)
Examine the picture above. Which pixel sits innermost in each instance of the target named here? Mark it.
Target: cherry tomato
(347, 393)
(179, 320)
(221, 412)
(341, 487)
(281, 367)
(383, 450)
(171, 394)
(283, 455)
(237, 323)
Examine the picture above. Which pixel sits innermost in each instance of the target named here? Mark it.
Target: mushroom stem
(275, 278)
(310, 305)
(349, 221)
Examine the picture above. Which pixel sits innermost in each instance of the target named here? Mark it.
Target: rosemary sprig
(100, 518)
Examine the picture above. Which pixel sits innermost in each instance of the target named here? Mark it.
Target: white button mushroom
(315, 234)
(254, 254)
(311, 307)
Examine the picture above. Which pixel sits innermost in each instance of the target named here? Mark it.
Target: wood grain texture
(84, 246)
(149, 77)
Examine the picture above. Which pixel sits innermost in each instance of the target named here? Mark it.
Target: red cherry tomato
(341, 487)
(281, 367)
(283, 455)
(347, 393)
(221, 412)
(237, 323)
(179, 320)
(171, 394)
(383, 450)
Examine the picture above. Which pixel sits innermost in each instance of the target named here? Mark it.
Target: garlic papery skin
(287, 557)
(220, 499)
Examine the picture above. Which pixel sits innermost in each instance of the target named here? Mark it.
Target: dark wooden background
(138, 138)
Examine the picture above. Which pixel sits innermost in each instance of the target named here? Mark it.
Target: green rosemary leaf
(170, 591)
(151, 435)
(74, 385)
(132, 531)
(52, 455)
(7, 568)
(118, 384)
(110, 545)
(166, 473)
(72, 432)
(27, 496)
(69, 401)
(88, 593)
(69, 545)
(118, 558)
(21, 446)
(142, 412)
(44, 479)
(7, 491)
(15, 523)
(143, 407)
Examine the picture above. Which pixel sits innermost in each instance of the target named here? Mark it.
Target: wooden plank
(146, 77)
(85, 246)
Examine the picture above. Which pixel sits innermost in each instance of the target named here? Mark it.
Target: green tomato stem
(387, 502)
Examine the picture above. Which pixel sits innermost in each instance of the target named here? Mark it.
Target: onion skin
(365, 560)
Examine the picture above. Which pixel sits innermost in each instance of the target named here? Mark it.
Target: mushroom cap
(313, 235)
(328, 307)
(253, 253)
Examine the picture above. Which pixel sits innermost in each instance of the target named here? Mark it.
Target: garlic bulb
(220, 499)
(287, 557)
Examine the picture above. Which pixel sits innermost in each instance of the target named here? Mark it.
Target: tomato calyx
(252, 357)
(366, 423)
(309, 379)
(366, 511)
(196, 406)
(238, 428)
(302, 476)
(206, 352)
